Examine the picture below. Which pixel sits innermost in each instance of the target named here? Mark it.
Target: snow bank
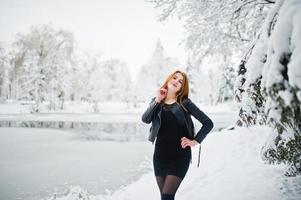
(231, 168)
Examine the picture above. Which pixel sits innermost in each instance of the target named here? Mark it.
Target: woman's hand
(187, 142)
(161, 94)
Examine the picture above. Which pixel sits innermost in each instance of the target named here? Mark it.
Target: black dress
(169, 157)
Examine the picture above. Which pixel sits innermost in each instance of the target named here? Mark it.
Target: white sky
(115, 28)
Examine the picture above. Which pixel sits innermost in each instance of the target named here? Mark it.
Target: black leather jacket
(153, 115)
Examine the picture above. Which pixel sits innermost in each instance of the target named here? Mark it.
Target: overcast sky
(115, 28)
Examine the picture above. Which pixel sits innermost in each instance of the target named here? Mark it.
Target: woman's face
(176, 82)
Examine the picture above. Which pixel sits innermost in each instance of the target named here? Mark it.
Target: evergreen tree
(226, 83)
(272, 84)
(152, 74)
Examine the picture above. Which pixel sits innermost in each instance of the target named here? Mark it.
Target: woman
(169, 112)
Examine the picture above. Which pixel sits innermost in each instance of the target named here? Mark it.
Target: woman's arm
(201, 117)
(148, 115)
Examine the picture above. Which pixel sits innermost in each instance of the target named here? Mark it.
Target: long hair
(184, 91)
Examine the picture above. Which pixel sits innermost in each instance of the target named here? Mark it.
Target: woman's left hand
(187, 142)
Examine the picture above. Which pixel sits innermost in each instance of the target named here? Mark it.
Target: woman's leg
(160, 181)
(170, 187)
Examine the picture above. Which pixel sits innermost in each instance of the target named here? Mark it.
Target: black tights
(168, 186)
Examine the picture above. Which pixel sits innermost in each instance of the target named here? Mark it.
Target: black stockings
(168, 186)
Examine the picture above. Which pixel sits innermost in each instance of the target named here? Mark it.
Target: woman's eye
(174, 77)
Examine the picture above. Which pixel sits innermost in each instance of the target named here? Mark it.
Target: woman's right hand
(161, 94)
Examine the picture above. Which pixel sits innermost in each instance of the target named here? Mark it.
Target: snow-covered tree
(4, 75)
(192, 73)
(112, 81)
(269, 85)
(199, 82)
(216, 27)
(84, 86)
(153, 73)
(102, 80)
(42, 61)
(226, 81)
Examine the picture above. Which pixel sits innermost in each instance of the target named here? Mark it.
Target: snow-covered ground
(231, 168)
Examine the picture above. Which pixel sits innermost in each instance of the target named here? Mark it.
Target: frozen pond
(35, 163)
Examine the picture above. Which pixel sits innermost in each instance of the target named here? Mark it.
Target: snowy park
(47, 163)
(87, 89)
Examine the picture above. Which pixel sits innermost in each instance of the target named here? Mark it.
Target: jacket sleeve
(148, 115)
(207, 123)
